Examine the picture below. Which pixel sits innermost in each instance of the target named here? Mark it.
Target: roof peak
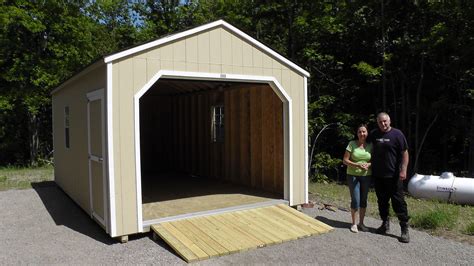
(217, 23)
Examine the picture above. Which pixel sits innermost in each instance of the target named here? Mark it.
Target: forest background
(412, 59)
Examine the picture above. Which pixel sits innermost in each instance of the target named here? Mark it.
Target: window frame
(217, 123)
(67, 132)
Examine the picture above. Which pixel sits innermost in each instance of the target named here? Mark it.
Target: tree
(412, 60)
(41, 44)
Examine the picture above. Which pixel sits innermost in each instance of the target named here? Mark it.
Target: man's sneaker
(363, 228)
(405, 237)
(354, 228)
(384, 228)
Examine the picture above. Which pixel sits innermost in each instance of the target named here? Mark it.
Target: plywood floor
(215, 235)
(172, 194)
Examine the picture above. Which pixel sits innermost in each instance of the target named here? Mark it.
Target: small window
(217, 129)
(66, 126)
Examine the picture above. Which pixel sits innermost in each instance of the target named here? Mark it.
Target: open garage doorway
(209, 145)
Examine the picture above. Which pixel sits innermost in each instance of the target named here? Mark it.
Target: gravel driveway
(43, 226)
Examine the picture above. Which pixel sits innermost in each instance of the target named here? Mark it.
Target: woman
(357, 158)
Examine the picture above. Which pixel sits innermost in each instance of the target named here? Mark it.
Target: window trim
(67, 131)
(217, 127)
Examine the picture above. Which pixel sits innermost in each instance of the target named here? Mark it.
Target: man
(389, 169)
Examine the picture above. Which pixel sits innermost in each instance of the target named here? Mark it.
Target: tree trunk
(415, 167)
(394, 95)
(384, 93)
(408, 129)
(471, 145)
(403, 102)
(290, 44)
(418, 110)
(445, 152)
(33, 128)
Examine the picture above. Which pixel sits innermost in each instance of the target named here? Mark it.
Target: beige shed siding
(247, 60)
(125, 148)
(203, 56)
(166, 57)
(71, 170)
(191, 60)
(215, 51)
(297, 82)
(152, 67)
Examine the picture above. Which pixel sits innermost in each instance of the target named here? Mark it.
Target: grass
(21, 178)
(470, 229)
(438, 218)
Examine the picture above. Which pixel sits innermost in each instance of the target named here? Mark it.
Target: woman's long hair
(357, 130)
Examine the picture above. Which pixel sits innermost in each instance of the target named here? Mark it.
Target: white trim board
(109, 156)
(97, 95)
(205, 27)
(272, 81)
(306, 156)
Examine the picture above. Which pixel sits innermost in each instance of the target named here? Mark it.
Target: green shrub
(319, 178)
(470, 229)
(437, 218)
(3, 178)
(323, 164)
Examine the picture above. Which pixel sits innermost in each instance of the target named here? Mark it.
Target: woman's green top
(359, 155)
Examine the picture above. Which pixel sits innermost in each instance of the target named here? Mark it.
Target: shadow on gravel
(66, 212)
(333, 223)
(345, 225)
(160, 242)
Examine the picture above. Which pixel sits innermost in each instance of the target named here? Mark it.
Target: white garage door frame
(274, 84)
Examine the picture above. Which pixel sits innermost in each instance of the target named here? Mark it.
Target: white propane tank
(446, 187)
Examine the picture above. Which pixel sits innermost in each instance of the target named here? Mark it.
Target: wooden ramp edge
(200, 238)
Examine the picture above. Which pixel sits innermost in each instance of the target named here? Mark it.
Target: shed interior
(209, 145)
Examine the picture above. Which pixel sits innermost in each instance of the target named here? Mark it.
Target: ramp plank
(292, 219)
(174, 243)
(194, 236)
(262, 227)
(311, 226)
(303, 216)
(243, 230)
(199, 238)
(197, 229)
(223, 233)
(186, 241)
(253, 229)
(290, 226)
(279, 229)
(241, 241)
(215, 233)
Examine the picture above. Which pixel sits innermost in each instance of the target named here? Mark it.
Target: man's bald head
(383, 121)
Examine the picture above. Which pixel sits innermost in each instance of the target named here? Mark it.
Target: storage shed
(203, 121)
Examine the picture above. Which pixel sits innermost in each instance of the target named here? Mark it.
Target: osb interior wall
(176, 136)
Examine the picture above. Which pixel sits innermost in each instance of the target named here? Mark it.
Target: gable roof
(170, 38)
(215, 24)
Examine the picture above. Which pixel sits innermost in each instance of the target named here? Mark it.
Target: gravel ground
(43, 226)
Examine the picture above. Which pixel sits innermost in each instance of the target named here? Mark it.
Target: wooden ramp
(203, 237)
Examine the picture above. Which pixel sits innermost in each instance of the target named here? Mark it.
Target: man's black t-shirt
(387, 152)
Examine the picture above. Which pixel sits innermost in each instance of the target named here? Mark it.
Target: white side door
(96, 143)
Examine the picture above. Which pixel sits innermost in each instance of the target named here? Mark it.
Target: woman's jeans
(359, 188)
